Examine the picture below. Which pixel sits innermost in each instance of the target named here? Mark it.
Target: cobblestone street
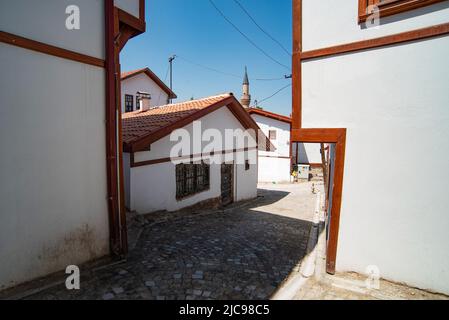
(243, 252)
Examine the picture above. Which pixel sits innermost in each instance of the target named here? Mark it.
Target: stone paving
(238, 253)
(350, 286)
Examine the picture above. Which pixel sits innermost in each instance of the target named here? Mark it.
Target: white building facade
(274, 165)
(154, 180)
(143, 81)
(392, 97)
(53, 136)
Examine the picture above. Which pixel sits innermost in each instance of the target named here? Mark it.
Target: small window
(272, 134)
(390, 7)
(129, 103)
(191, 179)
(247, 166)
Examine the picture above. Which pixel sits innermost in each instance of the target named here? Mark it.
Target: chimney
(144, 101)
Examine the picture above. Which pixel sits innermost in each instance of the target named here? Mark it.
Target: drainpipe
(111, 131)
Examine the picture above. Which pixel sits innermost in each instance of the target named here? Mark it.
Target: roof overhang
(150, 74)
(230, 102)
(270, 115)
(130, 26)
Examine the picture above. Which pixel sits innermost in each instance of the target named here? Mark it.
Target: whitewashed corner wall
(52, 135)
(274, 170)
(141, 82)
(309, 153)
(394, 102)
(153, 188)
(274, 166)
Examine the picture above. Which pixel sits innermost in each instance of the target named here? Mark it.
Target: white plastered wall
(143, 83)
(393, 100)
(153, 187)
(274, 166)
(52, 136)
(52, 164)
(309, 153)
(46, 23)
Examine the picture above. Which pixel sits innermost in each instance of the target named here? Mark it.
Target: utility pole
(170, 60)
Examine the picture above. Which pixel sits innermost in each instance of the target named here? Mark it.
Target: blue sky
(195, 31)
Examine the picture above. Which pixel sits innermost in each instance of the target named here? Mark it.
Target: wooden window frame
(191, 179)
(392, 7)
(129, 98)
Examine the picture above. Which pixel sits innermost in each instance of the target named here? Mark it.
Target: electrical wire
(246, 37)
(262, 29)
(274, 94)
(227, 73)
(165, 79)
(209, 68)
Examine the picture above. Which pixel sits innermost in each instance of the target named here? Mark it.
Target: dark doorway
(227, 184)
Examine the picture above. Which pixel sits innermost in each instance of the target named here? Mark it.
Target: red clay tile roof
(139, 123)
(141, 128)
(152, 76)
(268, 114)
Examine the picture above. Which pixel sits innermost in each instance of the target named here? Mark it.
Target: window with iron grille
(191, 179)
(129, 103)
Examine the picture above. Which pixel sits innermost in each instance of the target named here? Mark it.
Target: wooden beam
(135, 164)
(37, 46)
(296, 65)
(111, 132)
(131, 21)
(399, 38)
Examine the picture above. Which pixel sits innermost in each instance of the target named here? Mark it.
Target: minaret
(246, 97)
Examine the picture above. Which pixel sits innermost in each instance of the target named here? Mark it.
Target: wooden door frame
(335, 136)
(233, 180)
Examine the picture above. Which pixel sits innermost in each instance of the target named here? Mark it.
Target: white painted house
(140, 82)
(157, 180)
(388, 86)
(307, 153)
(57, 88)
(274, 165)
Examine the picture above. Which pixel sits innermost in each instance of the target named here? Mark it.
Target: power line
(209, 68)
(262, 29)
(227, 73)
(274, 94)
(165, 79)
(272, 79)
(246, 37)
